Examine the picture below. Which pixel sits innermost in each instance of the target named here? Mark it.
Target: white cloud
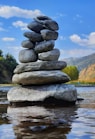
(20, 24)
(75, 53)
(87, 41)
(11, 11)
(8, 39)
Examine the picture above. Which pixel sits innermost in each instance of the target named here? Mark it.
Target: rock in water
(39, 74)
(40, 93)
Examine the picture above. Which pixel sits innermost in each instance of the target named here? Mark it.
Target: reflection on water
(37, 122)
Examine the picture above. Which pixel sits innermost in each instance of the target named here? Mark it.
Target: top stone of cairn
(43, 22)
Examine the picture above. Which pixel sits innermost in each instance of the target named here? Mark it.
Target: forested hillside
(7, 65)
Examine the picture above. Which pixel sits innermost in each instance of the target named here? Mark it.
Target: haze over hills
(81, 62)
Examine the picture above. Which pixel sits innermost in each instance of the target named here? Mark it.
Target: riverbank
(82, 84)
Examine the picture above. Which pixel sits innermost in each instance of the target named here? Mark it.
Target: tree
(72, 72)
(1, 53)
(10, 62)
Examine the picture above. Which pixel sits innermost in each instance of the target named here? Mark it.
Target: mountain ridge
(81, 62)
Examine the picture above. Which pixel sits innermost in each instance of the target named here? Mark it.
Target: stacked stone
(39, 74)
(39, 58)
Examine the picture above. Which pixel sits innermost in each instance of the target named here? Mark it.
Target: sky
(76, 20)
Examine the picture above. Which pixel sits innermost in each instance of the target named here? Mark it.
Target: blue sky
(76, 19)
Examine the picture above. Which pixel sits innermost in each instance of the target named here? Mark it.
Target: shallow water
(38, 122)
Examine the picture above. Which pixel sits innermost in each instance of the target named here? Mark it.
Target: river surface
(38, 122)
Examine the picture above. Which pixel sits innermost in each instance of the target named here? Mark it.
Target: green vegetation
(72, 72)
(7, 65)
(80, 83)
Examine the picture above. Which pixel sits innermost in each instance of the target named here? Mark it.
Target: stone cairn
(39, 74)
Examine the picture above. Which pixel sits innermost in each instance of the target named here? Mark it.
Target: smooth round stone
(41, 92)
(27, 55)
(42, 18)
(47, 22)
(50, 55)
(44, 46)
(41, 65)
(40, 77)
(49, 35)
(52, 25)
(27, 44)
(33, 36)
(35, 26)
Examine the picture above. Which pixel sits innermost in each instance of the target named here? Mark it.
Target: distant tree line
(7, 65)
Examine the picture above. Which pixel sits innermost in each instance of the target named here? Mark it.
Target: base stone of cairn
(39, 76)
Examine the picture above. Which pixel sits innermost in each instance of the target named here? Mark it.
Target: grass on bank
(81, 83)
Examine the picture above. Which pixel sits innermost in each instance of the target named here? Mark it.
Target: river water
(38, 122)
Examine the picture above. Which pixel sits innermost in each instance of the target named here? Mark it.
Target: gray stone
(27, 55)
(49, 35)
(50, 55)
(41, 19)
(41, 65)
(40, 77)
(27, 44)
(33, 36)
(40, 93)
(47, 22)
(35, 26)
(44, 46)
(52, 25)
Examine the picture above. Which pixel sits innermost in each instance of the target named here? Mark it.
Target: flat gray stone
(49, 35)
(27, 44)
(40, 77)
(40, 93)
(33, 36)
(35, 26)
(27, 55)
(50, 55)
(44, 46)
(41, 65)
